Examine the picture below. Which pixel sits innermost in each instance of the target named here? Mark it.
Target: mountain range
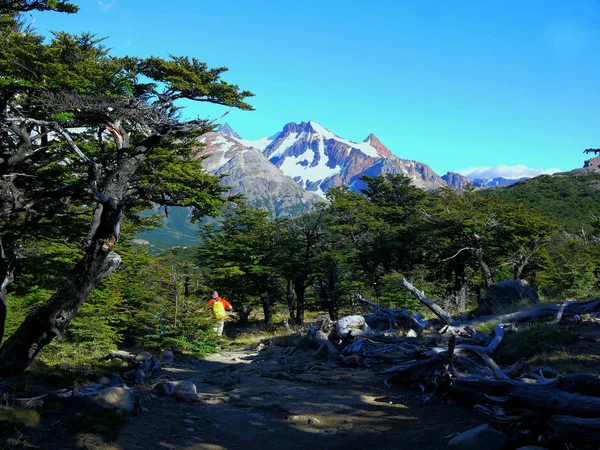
(317, 159)
(290, 171)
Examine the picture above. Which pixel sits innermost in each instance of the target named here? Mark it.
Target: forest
(89, 141)
(74, 116)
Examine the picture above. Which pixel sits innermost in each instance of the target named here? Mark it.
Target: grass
(12, 418)
(60, 367)
(94, 420)
(567, 362)
(532, 341)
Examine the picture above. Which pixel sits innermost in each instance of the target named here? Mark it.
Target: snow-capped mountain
(497, 182)
(459, 181)
(271, 190)
(228, 131)
(318, 159)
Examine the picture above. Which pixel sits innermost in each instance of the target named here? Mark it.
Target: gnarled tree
(84, 134)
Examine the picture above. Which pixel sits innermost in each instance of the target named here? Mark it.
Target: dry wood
(561, 310)
(394, 315)
(515, 394)
(536, 313)
(323, 343)
(437, 310)
(574, 428)
(580, 383)
(495, 368)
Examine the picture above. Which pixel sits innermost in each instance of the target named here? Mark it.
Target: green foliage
(571, 200)
(194, 334)
(241, 253)
(393, 295)
(15, 6)
(75, 81)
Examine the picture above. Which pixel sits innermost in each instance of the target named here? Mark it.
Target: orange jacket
(226, 304)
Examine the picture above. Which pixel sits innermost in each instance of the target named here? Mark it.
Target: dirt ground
(267, 400)
(272, 397)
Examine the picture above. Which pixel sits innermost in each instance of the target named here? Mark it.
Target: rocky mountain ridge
(318, 159)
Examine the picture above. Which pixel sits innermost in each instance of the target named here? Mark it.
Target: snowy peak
(218, 149)
(302, 127)
(228, 131)
(318, 159)
(372, 140)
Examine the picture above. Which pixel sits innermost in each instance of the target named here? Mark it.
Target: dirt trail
(268, 400)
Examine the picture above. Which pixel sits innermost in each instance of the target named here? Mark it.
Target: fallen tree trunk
(544, 398)
(554, 401)
(574, 428)
(487, 350)
(532, 314)
(437, 310)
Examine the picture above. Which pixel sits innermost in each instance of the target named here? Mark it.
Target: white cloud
(105, 5)
(505, 171)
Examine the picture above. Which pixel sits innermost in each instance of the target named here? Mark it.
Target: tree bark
(290, 301)
(574, 428)
(539, 312)
(51, 320)
(300, 291)
(268, 311)
(7, 270)
(42, 325)
(486, 272)
(438, 311)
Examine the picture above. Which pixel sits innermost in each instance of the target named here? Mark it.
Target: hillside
(569, 198)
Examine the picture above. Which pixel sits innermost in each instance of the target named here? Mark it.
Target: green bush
(193, 333)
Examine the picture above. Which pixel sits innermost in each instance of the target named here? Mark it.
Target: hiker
(219, 307)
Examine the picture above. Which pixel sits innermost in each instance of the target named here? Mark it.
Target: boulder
(143, 356)
(110, 380)
(478, 438)
(117, 397)
(169, 388)
(167, 357)
(345, 324)
(378, 322)
(506, 293)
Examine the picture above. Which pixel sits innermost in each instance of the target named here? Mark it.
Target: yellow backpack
(219, 310)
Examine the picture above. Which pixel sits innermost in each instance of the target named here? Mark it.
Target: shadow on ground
(270, 400)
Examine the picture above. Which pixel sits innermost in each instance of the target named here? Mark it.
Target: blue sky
(454, 84)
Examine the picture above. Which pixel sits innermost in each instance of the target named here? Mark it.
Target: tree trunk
(486, 272)
(290, 301)
(51, 320)
(7, 270)
(300, 291)
(437, 310)
(3, 295)
(244, 312)
(266, 304)
(333, 310)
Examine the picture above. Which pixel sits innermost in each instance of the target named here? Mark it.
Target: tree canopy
(87, 137)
